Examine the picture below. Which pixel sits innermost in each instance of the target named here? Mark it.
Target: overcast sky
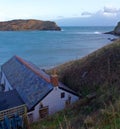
(79, 10)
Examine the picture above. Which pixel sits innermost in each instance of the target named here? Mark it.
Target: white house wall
(54, 101)
(5, 82)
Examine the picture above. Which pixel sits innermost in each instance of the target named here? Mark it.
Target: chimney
(54, 78)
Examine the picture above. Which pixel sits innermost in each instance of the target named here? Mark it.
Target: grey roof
(29, 81)
(63, 87)
(9, 99)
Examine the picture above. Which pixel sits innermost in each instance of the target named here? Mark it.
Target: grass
(55, 121)
(97, 73)
(110, 117)
(86, 75)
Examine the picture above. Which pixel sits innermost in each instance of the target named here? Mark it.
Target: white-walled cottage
(42, 94)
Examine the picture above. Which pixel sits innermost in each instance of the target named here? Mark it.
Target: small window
(62, 95)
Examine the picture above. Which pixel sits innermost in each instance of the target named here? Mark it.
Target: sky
(64, 12)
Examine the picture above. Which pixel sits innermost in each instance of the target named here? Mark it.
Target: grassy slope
(98, 72)
(89, 73)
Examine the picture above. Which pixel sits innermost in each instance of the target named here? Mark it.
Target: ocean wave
(96, 32)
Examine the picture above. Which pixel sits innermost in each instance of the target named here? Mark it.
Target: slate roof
(31, 83)
(63, 87)
(28, 80)
(10, 99)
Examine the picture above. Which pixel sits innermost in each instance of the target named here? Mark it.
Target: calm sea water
(51, 48)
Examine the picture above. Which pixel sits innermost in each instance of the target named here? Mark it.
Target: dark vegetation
(86, 75)
(97, 75)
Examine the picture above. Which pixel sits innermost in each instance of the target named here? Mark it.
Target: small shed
(11, 103)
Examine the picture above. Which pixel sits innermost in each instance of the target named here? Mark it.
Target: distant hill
(31, 24)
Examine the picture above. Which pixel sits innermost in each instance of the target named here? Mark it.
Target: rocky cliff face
(22, 25)
(116, 30)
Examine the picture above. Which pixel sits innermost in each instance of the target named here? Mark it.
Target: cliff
(116, 30)
(22, 25)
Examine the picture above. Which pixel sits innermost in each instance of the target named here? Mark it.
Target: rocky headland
(31, 24)
(116, 30)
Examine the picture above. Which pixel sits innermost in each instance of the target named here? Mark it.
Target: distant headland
(116, 30)
(30, 24)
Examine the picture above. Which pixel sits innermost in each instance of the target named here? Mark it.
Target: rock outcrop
(116, 30)
(23, 25)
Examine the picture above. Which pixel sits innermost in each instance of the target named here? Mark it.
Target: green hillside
(86, 75)
(97, 78)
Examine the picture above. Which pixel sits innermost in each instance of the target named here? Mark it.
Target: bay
(50, 48)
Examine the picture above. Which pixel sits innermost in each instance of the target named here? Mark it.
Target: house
(42, 94)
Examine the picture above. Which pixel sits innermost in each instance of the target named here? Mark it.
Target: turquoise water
(51, 48)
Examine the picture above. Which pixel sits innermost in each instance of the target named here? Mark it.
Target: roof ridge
(31, 68)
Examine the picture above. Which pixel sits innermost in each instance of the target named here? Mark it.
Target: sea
(48, 49)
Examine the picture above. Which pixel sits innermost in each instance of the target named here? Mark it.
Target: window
(43, 112)
(62, 95)
(68, 101)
